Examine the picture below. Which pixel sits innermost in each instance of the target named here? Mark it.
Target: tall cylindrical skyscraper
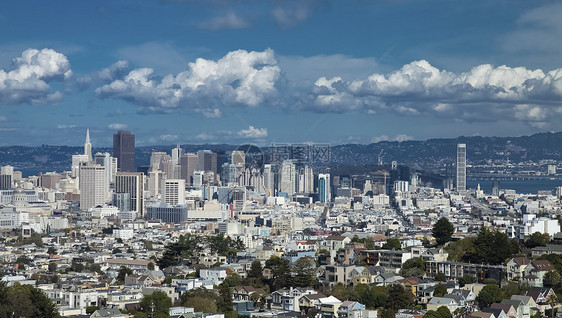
(461, 167)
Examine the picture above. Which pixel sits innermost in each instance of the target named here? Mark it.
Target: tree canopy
(443, 231)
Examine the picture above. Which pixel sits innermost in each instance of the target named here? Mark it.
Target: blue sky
(265, 71)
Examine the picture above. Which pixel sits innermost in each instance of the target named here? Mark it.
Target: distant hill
(428, 153)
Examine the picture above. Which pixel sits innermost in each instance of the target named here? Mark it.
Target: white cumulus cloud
(28, 80)
(229, 20)
(253, 133)
(399, 138)
(239, 78)
(229, 135)
(483, 93)
(117, 126)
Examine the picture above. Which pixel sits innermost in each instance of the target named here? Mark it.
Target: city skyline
(196, 72)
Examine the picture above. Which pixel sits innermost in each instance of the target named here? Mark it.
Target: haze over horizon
(320, 71)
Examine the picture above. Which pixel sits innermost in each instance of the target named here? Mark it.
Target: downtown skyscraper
(461, 167)
(124, 150)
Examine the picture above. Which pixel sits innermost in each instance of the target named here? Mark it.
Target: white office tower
(92, 185)
(176, 155)
(324, 188)
(77, 160)
(308, 182)
(105, 160)
(154, 183)
(167, 167)
(288, 177)
(173, 191)
(155, 159)
(88, 146)
(198, 177)
(7, 170)
(401, 186)
(268, 180)
(461, 167)
(133, 184)
(238, 157)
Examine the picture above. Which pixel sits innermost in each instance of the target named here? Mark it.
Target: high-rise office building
(461, 167)
(324, 189)
(133, 184)
(124, 150)
(176, 154)
(268, 180)
(188, 163)
(207, 161)
(92, 185)
(6, 182)
(238, 157)
(110, 165)
(198, 178)
(156, 159)
(88, 146)
(288, 177)
(173, 191)
(228, 174)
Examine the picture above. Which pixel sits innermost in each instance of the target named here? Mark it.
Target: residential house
(244, 293)
(216, 274)
(348, 307)
(516, 267)
(328, 307)
(509, 310)
(497, 312)
(386, 279)
(535, 271)
(309, 301)
(108, 313)
(437, 302)
(529, 305)
(522, 310)
(287, 299)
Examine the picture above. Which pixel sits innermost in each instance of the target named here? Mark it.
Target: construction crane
(380, 157)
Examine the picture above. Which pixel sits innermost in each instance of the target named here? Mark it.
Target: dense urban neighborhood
(259, 237)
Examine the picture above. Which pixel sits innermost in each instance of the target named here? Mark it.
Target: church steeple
(88, 146)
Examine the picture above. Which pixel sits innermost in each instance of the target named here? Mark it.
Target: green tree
(200, 304)
(150, 266)
(399, 298)
(224, 302)
(52, 250)
(413, 267)
(281, 271)
(303, 272)
(443, 231)
(91, 309)
(466, 279)
(123, 271)
(157, 302)
(440, 277)
(388, 313)
(488, 295)
(444, 312)
(255, 275)
(551, 279)
(440, 290)
(537, 239)
(392, 243)
(493, 247)
(52, 267)
(431, 314)
(232, 280)
(25, 301)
